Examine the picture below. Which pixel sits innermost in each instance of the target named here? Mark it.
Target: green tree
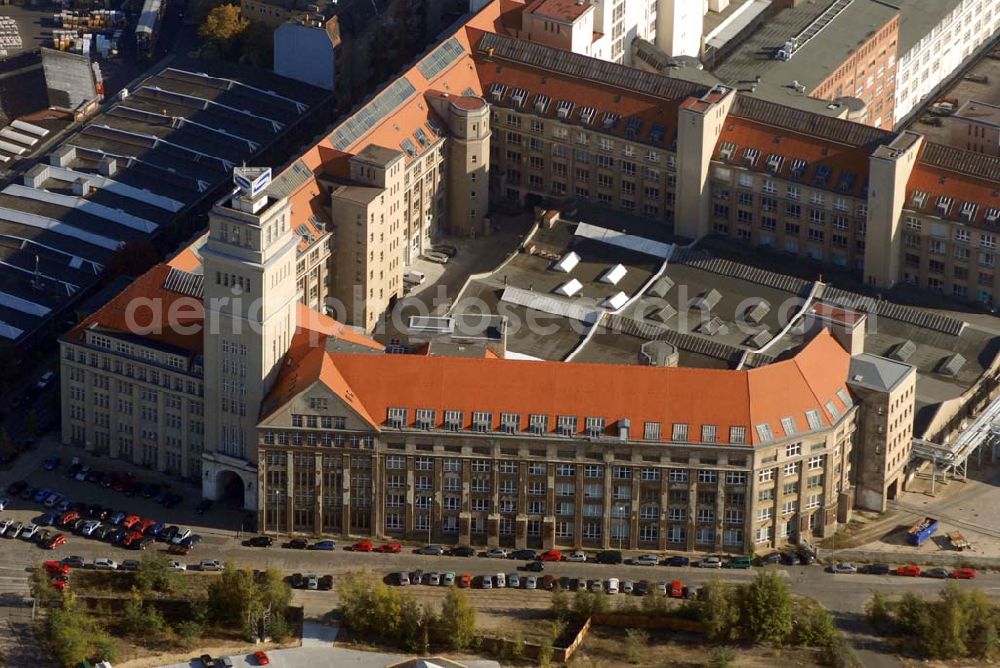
(189, 633)
(718, 614)
(517, 647)
(912, 615)
(816, 628)
(141, 619)
(155, 573)
(586, 604)
(722, 657)
(238, 599)
(878, 612)
(224, 27)
(459, 618)
(635, 641)
(765, 609)
(411, 625)
(944, 637)
(73, 636)
(983, 639)
(560, 604)
(545, 652)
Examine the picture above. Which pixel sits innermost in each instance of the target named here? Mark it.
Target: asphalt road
(845, 595)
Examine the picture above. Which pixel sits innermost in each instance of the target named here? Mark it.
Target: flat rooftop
(815, 60)
(126, 176)
(559, 10)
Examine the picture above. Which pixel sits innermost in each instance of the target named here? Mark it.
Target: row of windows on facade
(319, 439)
(648, 533)
(137, 372)
(129, 350)
(568, 425)
(792, 192)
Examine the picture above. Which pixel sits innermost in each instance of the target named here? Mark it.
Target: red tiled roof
(839, 158)
(560, 10)
(641, 394)
(961, 188)
(143, 309)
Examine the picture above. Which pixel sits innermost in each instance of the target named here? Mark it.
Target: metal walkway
(954, 457)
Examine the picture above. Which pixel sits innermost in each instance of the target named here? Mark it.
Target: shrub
(722, 657)
(459, 618)
(560, 604)
(545, 652)
(635, 641)
(718, 615)
(817, 629)
(765, 609)
(878, 612)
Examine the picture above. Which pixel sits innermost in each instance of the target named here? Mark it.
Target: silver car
(646, 560)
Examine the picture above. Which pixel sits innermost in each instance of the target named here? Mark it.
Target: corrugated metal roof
(971, 163)
(289, 180)
(799, 120)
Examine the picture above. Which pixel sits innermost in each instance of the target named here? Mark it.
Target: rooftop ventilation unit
(664, 314)
(904, 351)
(661, 287)
(567, 262)
(614, 274)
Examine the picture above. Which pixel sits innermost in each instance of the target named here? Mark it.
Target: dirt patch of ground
(605, 648)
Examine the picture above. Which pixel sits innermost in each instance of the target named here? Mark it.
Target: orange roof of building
(559, 10)
(144, 309)
(840, 159)
(961, 188)
(696, 397)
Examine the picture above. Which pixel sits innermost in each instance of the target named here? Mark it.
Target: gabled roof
(695, 397)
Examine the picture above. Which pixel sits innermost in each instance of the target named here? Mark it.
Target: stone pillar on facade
(346, 508)
(437, 498)
(636, 504)
(318, 483)
(720, 510)
(664, 509)
(375, 514)
(609, 504)
(549, 532)
(410, 501)
(521, 522)
(579, 501)
(493, 529)
(289, 491)
(692, 512)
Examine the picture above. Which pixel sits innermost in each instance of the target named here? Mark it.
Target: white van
(499, 581)
(612, 585)
(414, 277)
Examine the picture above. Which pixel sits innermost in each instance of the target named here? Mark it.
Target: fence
(658, 622)
(531, 650)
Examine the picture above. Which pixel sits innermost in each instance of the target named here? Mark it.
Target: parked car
(73, 561)
(580, 584)
(628, 586)
(324, 545)
(180, 536)
(485, 582)
(191, 541)
(548, 582)
(129, 565)
(463, 551)
(50, 463)
(531, 582)
(177, 566)
(433, 550)
(500, 581)
(963, 573)
(211, 565)
(551, 555)
(28, 532)
(417, 577)
(362, 546)
(936, 573)
(433, 579)
(52, 500)
(434, 256)
(168, 534)
(806, 557)
(709, 562)
(595, 586)
(676, 589)
(259, 541)
(513, 581)
(326, 583)
(524, 555)
(646, 560)
(496, 553)
(910, 571)
(767, 560)
(55, 568)
(447, 249)
(448, 578)
(55, 541)
(312, 582)
(402, 578)
(296, 544)
(389, 548)
(662, 588)
(741, 563)
(464, 581)
(609, 557)
(261, 658)
(844, 568)
(612, 586)
(296, 580)
(577, 556)
(534, 566)
(105, 564)
(14, 531)
(789, 558)
(207, 661)
(641, 588)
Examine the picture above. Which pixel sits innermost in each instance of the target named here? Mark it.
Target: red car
(262, 659)
(464, 581)
(131, 521)
(59, 585)
(55, 568)
(391, 548)
(56, 541)
(677, 589)
(551, 555)
(131, 538)
(68, 517)
(910, 571)
(362, 546)
(145, 524)
(964, 573)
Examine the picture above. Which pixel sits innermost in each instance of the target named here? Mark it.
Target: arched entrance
(230, 488)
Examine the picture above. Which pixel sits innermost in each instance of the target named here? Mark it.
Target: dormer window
(595, 426)
(453, 420)
(750, 157)
(566, 424)
(918, 199)
(397, 417)
(538, 424)
(425, 418)
(509, 422)
(482, 421)
(944, 205)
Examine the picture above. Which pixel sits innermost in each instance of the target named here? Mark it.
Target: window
(650, 474)
(593, 471)
(621, 473)
(792, 468)
(736, 477)
(565, 470)
(765, 534)
(708, 476)
(790, 507)
(678, 475)
(566, 424)
(680, 431)
(593, 491)
(765, 513)
(765, 475)
(453, 420)
(737, 435)
(651, 431)
(538, 424)
(396, 417)
(595, 426)
(535, 468)
(509, 422)
(481, 466)
(677, 534)
(677, 514)
(395, 462)
(815, 462)
(793, 450)
(706, 515)
(536, 507)
(482, 421)
(708, 433)
(705, 535)
(788, 424)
